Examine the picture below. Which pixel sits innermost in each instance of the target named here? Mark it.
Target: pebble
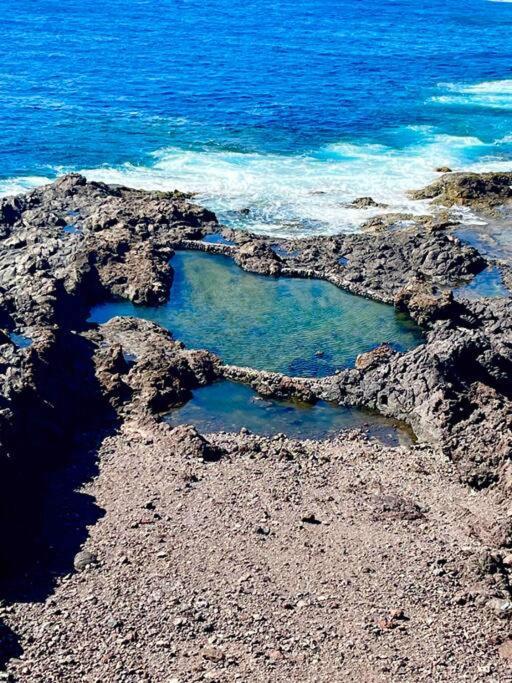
(84, 559)
(502, 608)
(213, 654)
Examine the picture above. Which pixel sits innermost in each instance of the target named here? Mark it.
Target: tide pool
(227, 406)
(488, 283)
(299, 327)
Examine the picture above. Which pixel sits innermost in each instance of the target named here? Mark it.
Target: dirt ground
(255, 559)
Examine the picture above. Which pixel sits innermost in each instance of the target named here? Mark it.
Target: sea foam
(489, 94)
(293, 195)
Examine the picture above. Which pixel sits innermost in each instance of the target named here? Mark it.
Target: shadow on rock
(58, 421)
(9, 645)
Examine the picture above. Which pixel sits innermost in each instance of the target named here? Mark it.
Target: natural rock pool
(227, 406)
(488, 283)
(298, 327)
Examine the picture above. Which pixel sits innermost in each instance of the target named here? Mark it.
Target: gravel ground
(256, 559)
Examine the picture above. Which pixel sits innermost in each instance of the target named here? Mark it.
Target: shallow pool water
(298, 327)
(228, 406)
(21, 341)
(492, 239)
(488, 283)
(215, 238)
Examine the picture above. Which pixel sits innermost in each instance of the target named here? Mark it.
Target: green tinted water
(298, 327)
(228, 406)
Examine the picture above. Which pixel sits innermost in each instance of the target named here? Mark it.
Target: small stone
(505, 650)
(112, 622)
(275, 655)
(310, 518)
(213, 654)
(84, 559)
(503, 608)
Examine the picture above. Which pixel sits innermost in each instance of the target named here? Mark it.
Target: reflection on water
(493, 239)
(228, 406)
(298, 327)
(215, 238)
(488, 283)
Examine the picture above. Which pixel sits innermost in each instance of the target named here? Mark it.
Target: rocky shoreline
(81, 393)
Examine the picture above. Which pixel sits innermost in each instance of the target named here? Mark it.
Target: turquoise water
(290, 108)
(299, 327)
(227, 406)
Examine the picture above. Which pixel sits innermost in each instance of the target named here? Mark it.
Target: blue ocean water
(289, 108)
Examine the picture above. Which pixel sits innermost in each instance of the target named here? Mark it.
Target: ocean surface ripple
(288, 109)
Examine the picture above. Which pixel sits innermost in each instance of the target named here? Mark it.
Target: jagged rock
(258, 257)
(366, 203)
(479, 190)
(156, 371)
(193, 445)
(425, 304)
(371, 359)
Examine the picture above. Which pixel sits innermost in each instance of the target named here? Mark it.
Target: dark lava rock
(453, 390)
(479, 190)
(366, 203)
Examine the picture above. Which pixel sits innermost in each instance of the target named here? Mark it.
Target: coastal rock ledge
(231, 556)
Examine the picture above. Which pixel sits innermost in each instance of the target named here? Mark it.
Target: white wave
(290, 195)
(299, 194)
(502, 87)
(11, 186)
(488, 94)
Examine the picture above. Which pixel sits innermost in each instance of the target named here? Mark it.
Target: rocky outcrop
(482, 191)
(73, 243)
(62, 247)
(71, 386)
(366, 203)
(148, 369)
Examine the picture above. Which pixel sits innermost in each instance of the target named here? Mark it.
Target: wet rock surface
(483, 191)
(180, 507)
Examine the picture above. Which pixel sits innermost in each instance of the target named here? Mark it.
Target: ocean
(290, 109)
